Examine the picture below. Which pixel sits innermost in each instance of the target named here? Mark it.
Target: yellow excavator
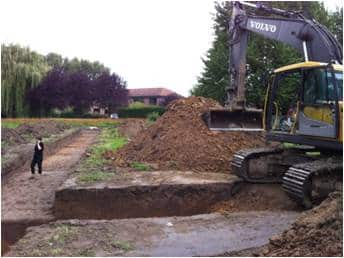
(303, 106)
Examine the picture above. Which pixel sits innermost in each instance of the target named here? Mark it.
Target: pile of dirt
(317, 232)
(11, 135)
(131, 127)
(180, 139)
(27, 133)
(42, 129)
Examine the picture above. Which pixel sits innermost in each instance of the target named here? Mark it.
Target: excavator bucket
(236, 120)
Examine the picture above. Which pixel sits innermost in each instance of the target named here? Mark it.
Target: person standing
(37, 156)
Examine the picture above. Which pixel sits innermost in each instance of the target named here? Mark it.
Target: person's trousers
(37, 161)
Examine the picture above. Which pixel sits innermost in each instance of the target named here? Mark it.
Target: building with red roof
(152, 96)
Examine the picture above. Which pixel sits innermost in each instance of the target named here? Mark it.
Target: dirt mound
(11, 135)
(131, 127)
(180, 139)
(317, 232)
(42, 129)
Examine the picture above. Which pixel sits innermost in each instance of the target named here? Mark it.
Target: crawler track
(311, 182)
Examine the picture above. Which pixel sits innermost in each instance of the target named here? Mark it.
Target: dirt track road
(31, 199)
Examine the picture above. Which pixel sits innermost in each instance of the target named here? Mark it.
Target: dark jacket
(39, 153)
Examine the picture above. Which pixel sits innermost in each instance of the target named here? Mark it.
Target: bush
(152, 117)
(141, 110)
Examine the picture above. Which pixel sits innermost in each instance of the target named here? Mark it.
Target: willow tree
(21, 70)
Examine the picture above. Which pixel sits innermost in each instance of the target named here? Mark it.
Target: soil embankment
(317, 232)
(144, 194)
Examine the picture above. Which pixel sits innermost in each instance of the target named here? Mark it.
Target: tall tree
(61, 89)
(21, 70)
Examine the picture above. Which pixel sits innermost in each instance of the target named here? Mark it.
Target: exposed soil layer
(257, 197)
(144, 194)
(317, 232)
(28, 201)
(200, 235)
(180, 139)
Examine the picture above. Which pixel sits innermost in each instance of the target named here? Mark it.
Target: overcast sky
(150, 43)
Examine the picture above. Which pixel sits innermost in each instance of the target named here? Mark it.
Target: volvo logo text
(263, 26)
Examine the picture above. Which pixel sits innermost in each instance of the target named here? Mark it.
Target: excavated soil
(180, 139)
(317, 232)
(42, 129)
(26, 133)
(131, 127)
(10, 135)
(257, 197)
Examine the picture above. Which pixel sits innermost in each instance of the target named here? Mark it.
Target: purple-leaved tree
(61, 89)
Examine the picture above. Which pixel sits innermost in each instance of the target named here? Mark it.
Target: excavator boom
(308, 37)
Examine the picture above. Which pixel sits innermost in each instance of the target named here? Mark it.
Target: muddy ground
(27, 200)
(200, 235)
(238, 226)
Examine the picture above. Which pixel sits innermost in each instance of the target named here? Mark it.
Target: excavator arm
(308, 37)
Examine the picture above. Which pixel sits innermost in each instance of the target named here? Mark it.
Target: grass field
(99, 122)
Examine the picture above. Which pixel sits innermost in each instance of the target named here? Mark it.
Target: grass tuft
(123, 245)
(140, 166)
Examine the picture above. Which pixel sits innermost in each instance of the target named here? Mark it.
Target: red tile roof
(146, 92)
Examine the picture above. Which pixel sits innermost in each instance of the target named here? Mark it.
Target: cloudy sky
(150, 43)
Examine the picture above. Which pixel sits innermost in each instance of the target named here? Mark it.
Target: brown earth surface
(28, 201)
(317, 232)
(26, 133)
(180, 139)
(25, 197)
(9, 135)
(131, 127)
(257, 197)
(42, 129)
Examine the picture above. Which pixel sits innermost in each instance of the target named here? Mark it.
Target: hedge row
(139, 112)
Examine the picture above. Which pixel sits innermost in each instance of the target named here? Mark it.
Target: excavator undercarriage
(303, 108)
(306, 174)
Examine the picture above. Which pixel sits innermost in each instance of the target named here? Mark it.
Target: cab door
(317, 114)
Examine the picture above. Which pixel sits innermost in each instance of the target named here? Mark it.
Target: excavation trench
(145, 194)
(143, 202)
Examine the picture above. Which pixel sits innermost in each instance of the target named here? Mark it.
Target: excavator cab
(304, 105)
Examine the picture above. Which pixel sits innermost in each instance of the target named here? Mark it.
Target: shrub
(140, 110)
(152, 117)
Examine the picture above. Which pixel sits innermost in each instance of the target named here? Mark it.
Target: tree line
(36, 85)
(263, 55)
